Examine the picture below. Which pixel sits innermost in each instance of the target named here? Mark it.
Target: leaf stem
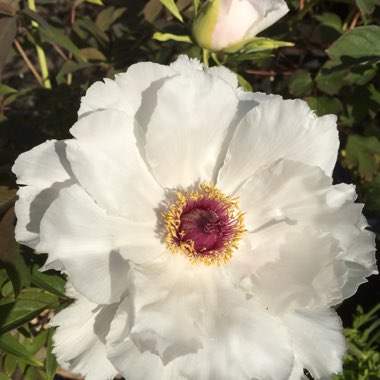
(40, 52)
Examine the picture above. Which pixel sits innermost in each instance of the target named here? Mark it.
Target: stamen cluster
(206, 225)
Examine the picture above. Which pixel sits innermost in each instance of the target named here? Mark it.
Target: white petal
(46, 171)
(107, 163)
(290, 191)
(233, 22)
(165, 292)
(124, 354)
(243, 342)
(308, 273)
(279, 129)
(249, 100)
(125, 92)
(139, 78)
(225, 74)
(348, 226)
(43, 165)
(273, 10)
(318, 341)
(79, 340)
(297, 372)
(185, 65)
(188, 126)
(94, 247)
(254, 251)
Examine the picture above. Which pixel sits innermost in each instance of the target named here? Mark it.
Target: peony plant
(199, 229)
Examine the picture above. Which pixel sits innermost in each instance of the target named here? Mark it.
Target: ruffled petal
(279, 129)
(223, 73)
(45, 170)
(255, 250)
(110, 167)
(188, 126)
(165, 292)
(318, 342)
(272, 10)
(241, 343)
(348, 226)
(94, 247)
(309, 273)
(290, 191)
(79, 340)
(297, 193)
(124, 354)
(125, 92)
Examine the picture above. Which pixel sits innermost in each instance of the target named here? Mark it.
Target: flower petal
(297, 193)
(272, 10)
(279, 129)
(241, 342)
(188, 126)
(290, 191)
(348, 226)
(45, 170)
(306, 327)
(165, 292)
(93, 246)
(107, 163)
(124, 93)
(308, 273)
(79, 340)
(124, 354)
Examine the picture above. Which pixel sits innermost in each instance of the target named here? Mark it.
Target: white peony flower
(199, 228)
(222, 23)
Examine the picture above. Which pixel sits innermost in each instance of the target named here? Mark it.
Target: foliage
(362, 361)
(51, 51)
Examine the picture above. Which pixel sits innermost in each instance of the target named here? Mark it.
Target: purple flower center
(205, 225)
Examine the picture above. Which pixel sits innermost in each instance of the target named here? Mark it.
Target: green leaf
(168, 36)
(10, 364)
(96, 2)
(50, 281)
(361, 152)
(34, 344)
(55, 35)
(71, 67)
(300, 83)
(3, 376)
(28, 305)
(331, 82)
(196, 6)
(324, 105)
(9, 344)
(255, 44)
(93, 54)
(108, 16)
(367, 6)
(171, 5)
(8, 30)
(51, 364)
(358, 46)
(10, 253)
(331, 20)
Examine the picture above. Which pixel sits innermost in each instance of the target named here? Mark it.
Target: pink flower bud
(222, 23)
